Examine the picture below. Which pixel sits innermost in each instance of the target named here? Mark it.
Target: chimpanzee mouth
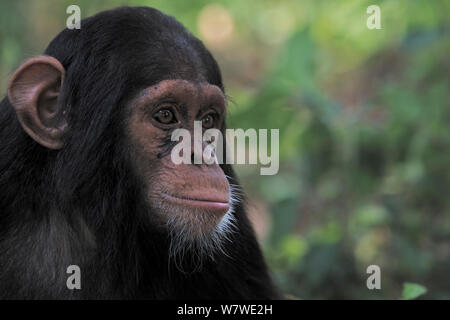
(211, 205)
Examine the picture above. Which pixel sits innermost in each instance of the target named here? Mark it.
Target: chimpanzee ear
(33, 91)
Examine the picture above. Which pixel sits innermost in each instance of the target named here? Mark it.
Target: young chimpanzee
(86, 176)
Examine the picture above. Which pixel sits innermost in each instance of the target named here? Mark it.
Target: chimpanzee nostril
(193, 159)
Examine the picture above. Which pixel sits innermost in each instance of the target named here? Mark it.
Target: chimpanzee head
(102, 104)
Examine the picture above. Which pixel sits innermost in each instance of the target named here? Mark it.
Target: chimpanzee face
(190, 198)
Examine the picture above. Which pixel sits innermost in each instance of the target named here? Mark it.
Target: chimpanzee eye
(165, 116)
(208, 121)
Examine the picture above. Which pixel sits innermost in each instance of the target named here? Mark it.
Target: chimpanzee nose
(201, 158)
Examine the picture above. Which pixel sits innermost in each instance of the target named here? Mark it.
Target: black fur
(82, 204)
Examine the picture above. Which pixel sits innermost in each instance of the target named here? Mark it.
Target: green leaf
(412, 291)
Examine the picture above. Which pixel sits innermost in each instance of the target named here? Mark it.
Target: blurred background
(364, 120)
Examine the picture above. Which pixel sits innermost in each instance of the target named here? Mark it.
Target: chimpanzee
(86, 176)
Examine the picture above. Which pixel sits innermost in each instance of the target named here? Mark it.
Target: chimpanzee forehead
(185, 89)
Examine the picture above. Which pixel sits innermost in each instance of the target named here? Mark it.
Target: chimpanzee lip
(210, 203)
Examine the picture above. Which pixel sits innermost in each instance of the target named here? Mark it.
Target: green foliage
(412, 291)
